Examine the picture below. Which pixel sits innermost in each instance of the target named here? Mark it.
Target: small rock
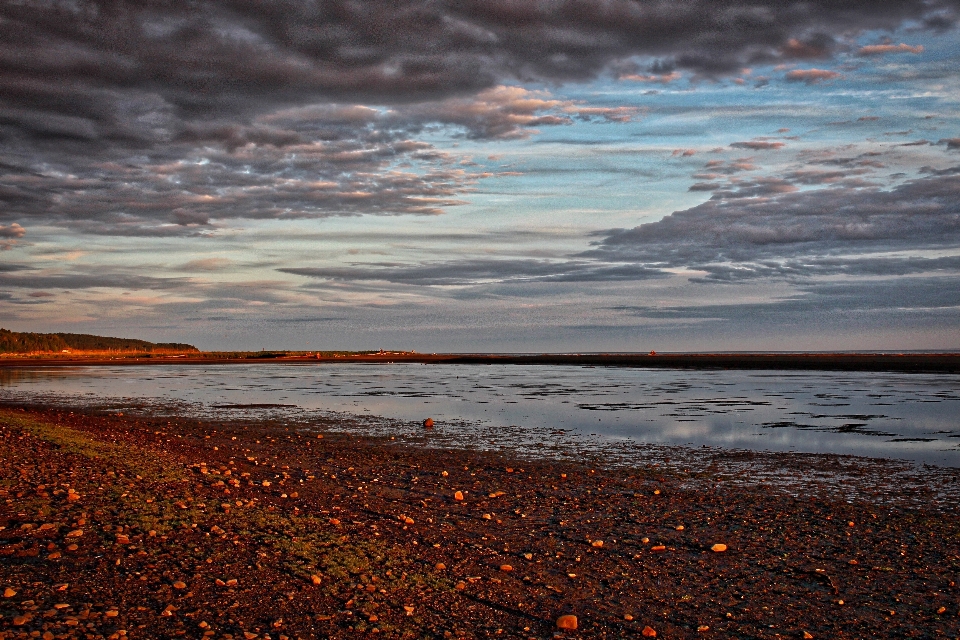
(112, 613)
(248, 635)
(487, 516)
(458, 495)
(528, 556)
(718, 548)
(179, 584)
(461, 586)
(627, 617)
(645, 540)
(658, 547)
(232, 582)
(315, 579)
(428, 423)
(597, 543)
(334, 521)
(807, 635)
(373, 618)
(942, 610)
(9, 593)
(122, 539)
(506, 568)
(408, 609)
(648, 632)
(703, 628)
(568, 622)
(679, 527)
(407, 520)
(266, 483)
(76, 533)
(439, 566)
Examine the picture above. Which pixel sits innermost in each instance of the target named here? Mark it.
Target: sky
(483, 175)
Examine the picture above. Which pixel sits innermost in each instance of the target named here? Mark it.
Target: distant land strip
(903, 362)
(28, 342)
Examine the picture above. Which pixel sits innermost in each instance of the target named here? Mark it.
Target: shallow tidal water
(913, 417)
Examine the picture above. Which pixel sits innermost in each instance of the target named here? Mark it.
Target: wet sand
(154, 527)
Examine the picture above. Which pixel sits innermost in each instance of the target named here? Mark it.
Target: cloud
(881, 49)
(758, 145)
(481, 271)
(12, 231)
(207, 264)
(172, 119)
(952, 143)
(504, 112)
(811, 76)
(661, 78)
(760, 232)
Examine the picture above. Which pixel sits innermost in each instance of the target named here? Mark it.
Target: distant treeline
(14, 342)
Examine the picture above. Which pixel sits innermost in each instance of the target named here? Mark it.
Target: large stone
(568, 622)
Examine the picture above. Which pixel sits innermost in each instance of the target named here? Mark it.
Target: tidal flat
(141, 525)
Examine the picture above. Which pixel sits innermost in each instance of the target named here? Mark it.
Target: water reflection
(896, 415)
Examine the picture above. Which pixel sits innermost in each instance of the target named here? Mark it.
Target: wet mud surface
(145, 525)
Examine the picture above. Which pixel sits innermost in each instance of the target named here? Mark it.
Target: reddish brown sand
(138, 527)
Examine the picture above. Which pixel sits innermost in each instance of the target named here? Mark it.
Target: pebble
(428, 423)
(407, 520)
(506, 567)
(658, 547)
(76, 533)
(9, 593)
(679, 527)
(648, 632)
(439, 566)
(627, 617)
(807, 635)
(112, 613)
(315, 579)
(718, 548)
(179, 585)
(597, 543)
(703, 628)
(461, 586)
(444, 474)
(458, 495)
(567, 622)
(408, 609)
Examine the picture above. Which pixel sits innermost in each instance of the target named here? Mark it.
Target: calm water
(890, 415)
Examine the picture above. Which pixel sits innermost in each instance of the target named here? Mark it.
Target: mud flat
(907, 362)
(159, 526)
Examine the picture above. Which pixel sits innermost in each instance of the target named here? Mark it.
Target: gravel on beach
(139, 526)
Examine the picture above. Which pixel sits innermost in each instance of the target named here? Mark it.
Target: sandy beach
(122, 526)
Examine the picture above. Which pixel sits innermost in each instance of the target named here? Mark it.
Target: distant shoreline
(906, 362)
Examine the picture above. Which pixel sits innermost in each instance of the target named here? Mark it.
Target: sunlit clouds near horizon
(567, 175)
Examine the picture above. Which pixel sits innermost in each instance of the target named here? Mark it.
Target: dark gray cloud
(737, 235)
(121, 117)
(884, 301)
(37, 279)
(473, 272)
